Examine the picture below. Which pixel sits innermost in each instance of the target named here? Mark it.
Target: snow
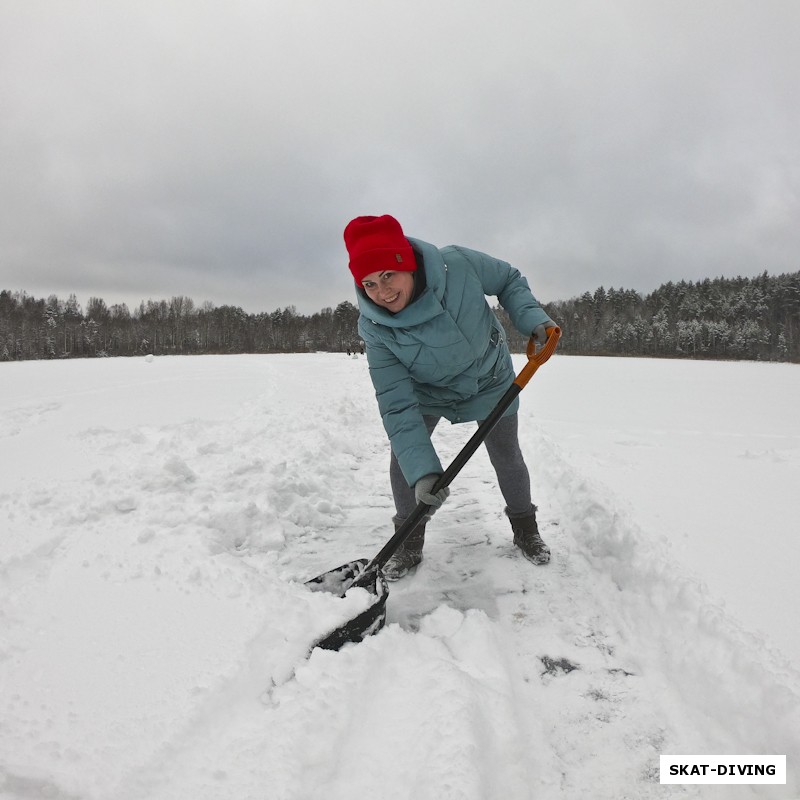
(159, 517)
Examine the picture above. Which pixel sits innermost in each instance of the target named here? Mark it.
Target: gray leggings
(502, 445)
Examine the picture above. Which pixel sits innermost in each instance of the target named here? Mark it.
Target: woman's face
(390, 290)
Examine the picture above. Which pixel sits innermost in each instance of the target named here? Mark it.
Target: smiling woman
(435, 349)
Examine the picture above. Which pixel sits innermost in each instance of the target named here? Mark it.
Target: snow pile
(159, 518)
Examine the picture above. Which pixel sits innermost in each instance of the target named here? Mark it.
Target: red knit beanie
(376, 244)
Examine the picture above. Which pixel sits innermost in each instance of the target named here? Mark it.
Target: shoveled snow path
(558, 674)
(493, 679)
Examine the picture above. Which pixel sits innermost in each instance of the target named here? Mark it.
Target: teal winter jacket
(445, 354)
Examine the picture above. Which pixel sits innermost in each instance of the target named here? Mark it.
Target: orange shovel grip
(535, 360)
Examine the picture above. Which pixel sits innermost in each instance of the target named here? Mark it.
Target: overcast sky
(150, 148)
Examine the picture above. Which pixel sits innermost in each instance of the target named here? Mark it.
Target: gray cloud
(217, 150)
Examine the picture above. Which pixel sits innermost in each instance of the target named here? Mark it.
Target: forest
(721, 318)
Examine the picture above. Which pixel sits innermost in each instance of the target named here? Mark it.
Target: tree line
(739, 318)
(724, 318)
(32, 328)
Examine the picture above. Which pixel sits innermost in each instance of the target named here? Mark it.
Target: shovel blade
(337, 582)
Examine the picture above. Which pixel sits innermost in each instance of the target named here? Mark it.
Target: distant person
(435, 349)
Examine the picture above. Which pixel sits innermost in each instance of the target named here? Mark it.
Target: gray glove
(422, 492)
(540, 333)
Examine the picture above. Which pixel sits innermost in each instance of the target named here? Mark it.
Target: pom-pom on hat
(376, 244)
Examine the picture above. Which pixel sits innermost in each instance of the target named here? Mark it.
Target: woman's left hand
(540, 334)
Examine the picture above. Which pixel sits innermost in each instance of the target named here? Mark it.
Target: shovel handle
(535, 360)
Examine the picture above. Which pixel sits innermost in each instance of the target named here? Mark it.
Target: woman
(435, 349)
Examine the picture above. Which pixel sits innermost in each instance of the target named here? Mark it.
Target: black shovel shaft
(536, 357)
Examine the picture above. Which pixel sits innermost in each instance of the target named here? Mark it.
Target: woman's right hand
(422, 492)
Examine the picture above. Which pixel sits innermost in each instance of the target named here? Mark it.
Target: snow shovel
(368, 574)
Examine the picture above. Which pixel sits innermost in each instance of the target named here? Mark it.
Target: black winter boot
(408, 555)
(526, 537)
